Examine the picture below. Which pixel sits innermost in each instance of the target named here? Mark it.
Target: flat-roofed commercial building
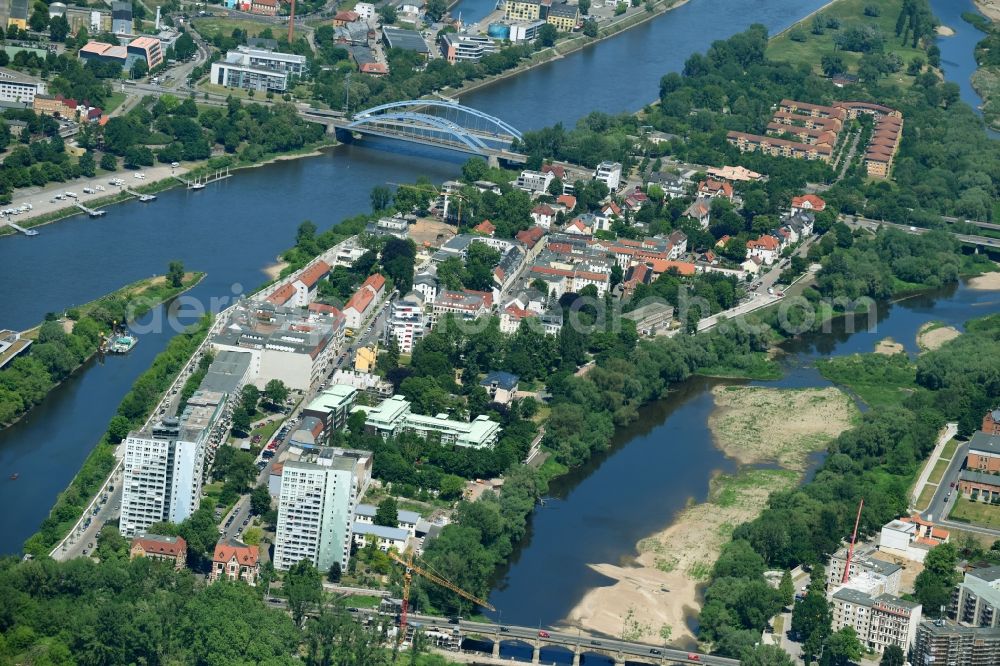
(19, 88)
(148, 49)
(289, 344)
(332, 406)
(466, 48)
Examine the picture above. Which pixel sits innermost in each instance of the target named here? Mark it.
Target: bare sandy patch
(932, 335)
(945, 31)
(752, 424)
(430, 232)
(985, 282)
(661, 588)
(274, 270)
(755, 424)
(888, 346)
(989, 8)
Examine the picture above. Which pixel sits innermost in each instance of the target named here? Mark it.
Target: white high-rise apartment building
(316, 505)
(407, 322)
(164, 467)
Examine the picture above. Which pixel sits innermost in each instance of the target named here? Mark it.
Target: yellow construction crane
(438, 193)
(411, 569)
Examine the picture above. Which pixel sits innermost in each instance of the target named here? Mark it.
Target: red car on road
(543, 634)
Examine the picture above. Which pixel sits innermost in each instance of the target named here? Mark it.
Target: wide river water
(235, 228)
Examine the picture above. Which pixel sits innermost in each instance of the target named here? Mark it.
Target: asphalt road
(945, 495)
(867, 223)
(237, 520)
(586, 642)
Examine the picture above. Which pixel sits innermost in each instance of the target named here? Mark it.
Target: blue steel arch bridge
(436, 123)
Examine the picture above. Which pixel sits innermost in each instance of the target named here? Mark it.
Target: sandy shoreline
(985, 282)
(888, 346)
(989, 8)
(273, 272)
(661, 586)
(932, 335)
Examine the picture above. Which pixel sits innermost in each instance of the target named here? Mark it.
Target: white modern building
(534, 182)
(609, 173)
(365, 10)
(393, 416)
(407, 322)
(456, 47)
(977, 600)
(164, 467)
(18, 88)
(257, 69)
(316, 510)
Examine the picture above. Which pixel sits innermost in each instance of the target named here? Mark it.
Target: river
(235, 228)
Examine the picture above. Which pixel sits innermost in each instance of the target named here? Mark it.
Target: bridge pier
(496, 648)
(619, 659)
(493, 161)
(576, 655)
(536, 652)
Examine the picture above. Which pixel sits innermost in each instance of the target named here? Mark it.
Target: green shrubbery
(132, 411)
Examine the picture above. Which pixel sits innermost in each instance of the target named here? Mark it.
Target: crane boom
(436, 192)
(412, 568)
(434, 578)
(854, 538)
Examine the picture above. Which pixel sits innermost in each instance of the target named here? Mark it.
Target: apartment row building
(976, 601)
(980, 479)
(868, 601)
(971, 635)
(948, 643)
(879, 621)
(364, 301)
(164, 466)
(393, 417)
(883, 145)
(258, 69)
(318, 494)
(561, 15)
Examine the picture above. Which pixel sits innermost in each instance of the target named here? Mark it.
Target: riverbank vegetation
(64, 342)
(755, 424)
(878, 459)
(880, 380)
(734, 87)
(115, 612)
(862, 38)
(986, 79)
(132, 412)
